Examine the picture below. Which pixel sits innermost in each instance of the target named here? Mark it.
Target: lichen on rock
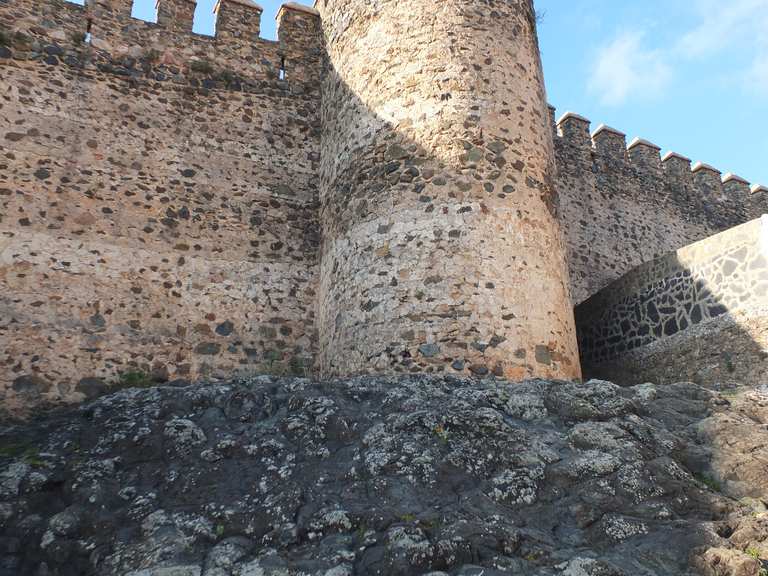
(383, 475)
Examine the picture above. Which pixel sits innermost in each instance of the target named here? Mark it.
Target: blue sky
(689, 75)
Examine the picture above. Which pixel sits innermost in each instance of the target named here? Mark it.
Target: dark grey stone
(208, 348)
(429, 350)
(92, 387)
(225, 328)
(381, 475)
(30, 385)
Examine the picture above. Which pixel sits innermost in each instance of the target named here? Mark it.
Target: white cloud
(757, 76)
(630, 68)
(723, 24)
(737, 23)
(626, 69)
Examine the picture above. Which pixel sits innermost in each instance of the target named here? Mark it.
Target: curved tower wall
(441, 248)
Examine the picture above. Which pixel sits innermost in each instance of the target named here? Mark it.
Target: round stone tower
(441, 247)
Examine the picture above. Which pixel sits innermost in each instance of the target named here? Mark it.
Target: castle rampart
(159, 196)
(357, 196)
(622, 205)
(234, 54)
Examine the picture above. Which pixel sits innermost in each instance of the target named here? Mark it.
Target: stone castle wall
(158, 195)
(190, 206)
(699, 313)
(441, 249)
(624, 205)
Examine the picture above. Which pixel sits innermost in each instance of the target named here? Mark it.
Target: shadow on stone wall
(447, 260)
(391, 177)
(438, 258)
(697, 315)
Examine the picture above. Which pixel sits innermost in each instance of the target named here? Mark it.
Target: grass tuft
(710, 483)
(135, 379)
(201, 66)
(24, 452)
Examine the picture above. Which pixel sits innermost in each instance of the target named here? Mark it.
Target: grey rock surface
(381, 475)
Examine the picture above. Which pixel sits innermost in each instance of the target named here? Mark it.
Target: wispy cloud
(757, 75)
(722, 24)
(625, 68)
(631, 68)
(738, 23)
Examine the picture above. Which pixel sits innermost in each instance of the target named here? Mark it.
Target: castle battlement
(699, 190)
(106, 31)
(624, 204)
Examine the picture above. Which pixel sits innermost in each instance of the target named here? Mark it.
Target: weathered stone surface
(722, 562)
(145, 225)
(438, 208)
(163, 193)
(389, 476)
(621, 208)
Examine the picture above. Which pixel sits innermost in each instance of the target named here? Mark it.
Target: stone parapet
(158, 196)
(105, 32)
(623, 205)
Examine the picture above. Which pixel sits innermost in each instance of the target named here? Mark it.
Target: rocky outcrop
(390, 476)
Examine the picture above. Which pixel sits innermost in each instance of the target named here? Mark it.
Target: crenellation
(51, 20)
(176, 15)
(110, 21)
(301, 41)
(677, 161)
(610, 142)
(168, 50)
(614, 200)
(735, 180)
(677, 170)
(342, 199)
(574, 130)
(648, 173)
(758, 200)
(678, 180)
(297, 7)
(109, 10)
(645, 155)
(238, 21)
(708, 183)
(706, 170)
(724, 199)
(737, 196)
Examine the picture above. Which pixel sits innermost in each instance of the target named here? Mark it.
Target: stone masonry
(441, 245)
(357, 196)
(700, 314)
(157, 193)
(624, 205)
